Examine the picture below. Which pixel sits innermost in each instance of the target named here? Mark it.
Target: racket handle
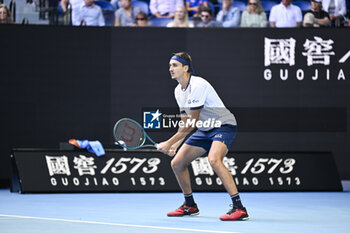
(156, 145)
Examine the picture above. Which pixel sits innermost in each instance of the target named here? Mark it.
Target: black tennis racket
(130, 135)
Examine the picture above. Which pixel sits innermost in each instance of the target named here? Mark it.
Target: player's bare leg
(181, 161)
(216, 155)
(179, 164)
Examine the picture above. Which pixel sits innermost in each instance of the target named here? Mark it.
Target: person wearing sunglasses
(206, 19)
(141, 19)
(254, 15)
(229, 16)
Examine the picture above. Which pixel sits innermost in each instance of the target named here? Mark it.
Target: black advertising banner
(287, 87)
(150, 171)
(263, 171)
(84, 172)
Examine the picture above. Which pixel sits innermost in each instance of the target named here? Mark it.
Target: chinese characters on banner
(143, 171)
(87, 170)
(280, 168)
(317, 51)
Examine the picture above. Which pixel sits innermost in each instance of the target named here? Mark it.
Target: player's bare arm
(170, 146)
(173, 148)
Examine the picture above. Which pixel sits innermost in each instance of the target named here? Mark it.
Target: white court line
(114, 224)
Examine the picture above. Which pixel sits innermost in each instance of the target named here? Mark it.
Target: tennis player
(199, 102)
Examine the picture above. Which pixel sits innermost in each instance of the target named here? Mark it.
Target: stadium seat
(108, 11)
(159, 22)
(268, 4)
(142, 5)
(240, 5)
(304, 5)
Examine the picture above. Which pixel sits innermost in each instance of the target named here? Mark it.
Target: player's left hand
(165, 148)
(172, 150)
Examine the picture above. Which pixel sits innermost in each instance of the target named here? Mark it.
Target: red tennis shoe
(184, 210)
(235, 214)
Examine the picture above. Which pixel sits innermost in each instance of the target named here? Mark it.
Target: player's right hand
(165, 148)
(171, 152)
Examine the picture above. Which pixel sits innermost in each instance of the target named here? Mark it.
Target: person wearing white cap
(316, 17)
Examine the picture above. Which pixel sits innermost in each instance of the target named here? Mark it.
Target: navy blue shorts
(204, 139)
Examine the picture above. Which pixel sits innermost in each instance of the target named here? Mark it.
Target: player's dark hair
(186, 57)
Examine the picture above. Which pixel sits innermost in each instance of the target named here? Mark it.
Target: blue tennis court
(146, 212)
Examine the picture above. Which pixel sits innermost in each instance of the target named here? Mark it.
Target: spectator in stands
(88, 14)
(180, 19)
(316, 17)
(75, 5)
(336, 10)
(285, 14)
(126, 15)
(5, 15)
(254, 15)
(164, 8)
(207, 19)
(141, 19)
(64, 5)
(65, 12)
(229, 15)
(193, 6)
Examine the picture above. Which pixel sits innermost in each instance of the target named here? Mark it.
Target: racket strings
(130, 134)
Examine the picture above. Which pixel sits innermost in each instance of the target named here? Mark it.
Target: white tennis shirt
(92, 15)
(199, 94)
(285, 16)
